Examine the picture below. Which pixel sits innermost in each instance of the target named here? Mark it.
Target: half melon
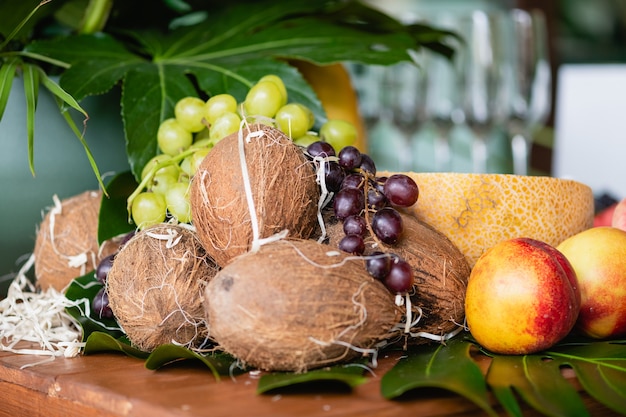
(476, 211)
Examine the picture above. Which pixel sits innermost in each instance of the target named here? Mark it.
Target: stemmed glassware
(527, 82)
(480, 80)
(402, 106)
(442, 106)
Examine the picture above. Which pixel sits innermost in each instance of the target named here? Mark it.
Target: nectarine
(618, 219)
(598, 256)
(520, 298)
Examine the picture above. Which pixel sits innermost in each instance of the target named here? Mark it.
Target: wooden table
(112, 384)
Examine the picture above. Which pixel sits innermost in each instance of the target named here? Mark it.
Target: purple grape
(320, 148)
(127, 237)
(100, 305)
(401, 190)
(379, 184)
(353, 181)
(400, 277)
(378, 265)
(387, 225)
(349, 157)
(354, 225)
(347, 202)
(103, 268)
(375, 199)
(352, 244)
(367, 164)
(334, 176)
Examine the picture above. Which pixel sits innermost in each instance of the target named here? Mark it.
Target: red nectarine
(598, 256)
(618, 219)
(520, 298)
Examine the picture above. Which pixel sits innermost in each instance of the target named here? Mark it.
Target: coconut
(257, 171)
(155, 287)
(296, 305)
(441, 272)
(67, 246)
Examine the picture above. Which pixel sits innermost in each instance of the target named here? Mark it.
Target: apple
(618, 219)
(522, 297)
(598, 256)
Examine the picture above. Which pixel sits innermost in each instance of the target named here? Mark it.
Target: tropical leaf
(113, 216)
(31, 91)
(350, 375)
(103, 342)
(163, 355)
(600, 368)
(538, 382)
(83, 290)
(226, 53)
(537, 379)
(7, 73)
(448, 367)
(217, 363)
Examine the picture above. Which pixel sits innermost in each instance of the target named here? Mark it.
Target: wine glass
(442, 106)
(481, 80)
(402, 106)
(367, 81)
(528, 82)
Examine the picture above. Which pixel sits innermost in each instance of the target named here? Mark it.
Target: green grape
(148, 209)
(263, 99)
(171, 169)
(172, 137)
(196, 159)
(185, 165)
(200, 137)
(279, 83)
(224, 126)
(190, 113)
(219, 104)
(161, 182)
(306, 140)
(177, 201)
(338, 133)
(190, 164)
(294, 119)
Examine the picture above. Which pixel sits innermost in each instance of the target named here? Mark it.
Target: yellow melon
(476, 211)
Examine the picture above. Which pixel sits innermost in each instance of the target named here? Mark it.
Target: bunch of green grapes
(197, 125)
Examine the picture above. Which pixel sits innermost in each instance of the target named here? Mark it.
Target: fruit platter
(256, 261)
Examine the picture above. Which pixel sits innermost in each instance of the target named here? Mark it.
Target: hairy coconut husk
(294, 305)
(282, 186)
(441, 272)
(66, 246)
(155, 287)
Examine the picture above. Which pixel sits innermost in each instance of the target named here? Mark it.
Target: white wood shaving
(38, 317)
(171, 236)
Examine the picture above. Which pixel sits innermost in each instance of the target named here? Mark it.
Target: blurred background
(538, 87)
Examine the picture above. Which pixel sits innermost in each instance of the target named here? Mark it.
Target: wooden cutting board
(112, 384)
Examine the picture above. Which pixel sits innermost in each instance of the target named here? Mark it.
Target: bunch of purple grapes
(100, 303)
(367, 204)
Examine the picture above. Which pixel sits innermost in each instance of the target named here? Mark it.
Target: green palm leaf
(439, 366)
(537, 379)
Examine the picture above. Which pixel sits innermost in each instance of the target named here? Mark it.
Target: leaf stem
(96, 16)
(40, 57)
(21, 24)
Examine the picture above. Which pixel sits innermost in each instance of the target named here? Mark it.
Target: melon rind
(476, 211)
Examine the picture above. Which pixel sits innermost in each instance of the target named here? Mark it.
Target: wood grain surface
(113, 385)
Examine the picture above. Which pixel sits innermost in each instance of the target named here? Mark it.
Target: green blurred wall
(61, 166)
